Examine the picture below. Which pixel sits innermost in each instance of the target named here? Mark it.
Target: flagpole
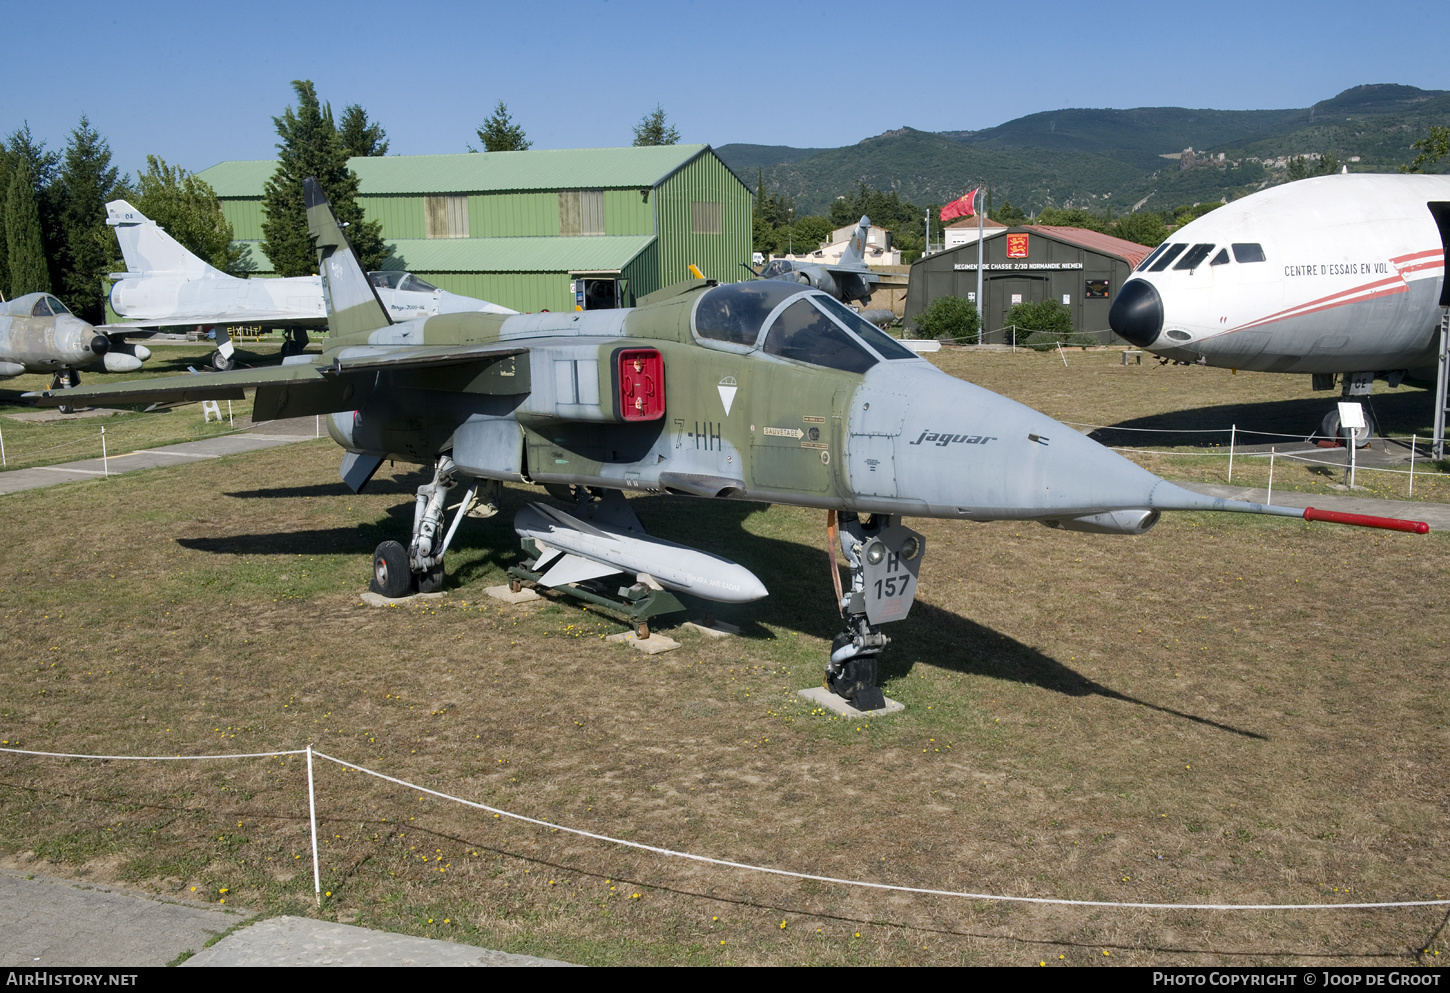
(980, 301)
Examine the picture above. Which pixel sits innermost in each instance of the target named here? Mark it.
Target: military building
(537, 230)
(1081, 268)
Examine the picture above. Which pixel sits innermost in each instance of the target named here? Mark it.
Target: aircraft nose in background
(1137, 313)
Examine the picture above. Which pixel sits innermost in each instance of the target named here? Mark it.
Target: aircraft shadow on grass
(1403, 411)
(796, 575)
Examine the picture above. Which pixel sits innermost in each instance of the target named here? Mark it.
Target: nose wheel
(884, 559)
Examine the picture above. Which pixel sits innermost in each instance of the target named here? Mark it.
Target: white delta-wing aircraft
(165, 285)
(1339, 274)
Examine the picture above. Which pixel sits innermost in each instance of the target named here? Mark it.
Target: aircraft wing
(889, 278)
(319, 384)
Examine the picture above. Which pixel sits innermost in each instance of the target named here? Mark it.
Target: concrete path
(59, 923)
(55, 922)
(251, 438)
(294, 941)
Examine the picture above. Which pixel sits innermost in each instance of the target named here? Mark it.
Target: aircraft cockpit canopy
(793, 322)
(41, 305)
(397, 279)
(776, 268)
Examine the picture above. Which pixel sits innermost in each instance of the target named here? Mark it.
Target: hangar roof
(1098, 242)
(549, 169)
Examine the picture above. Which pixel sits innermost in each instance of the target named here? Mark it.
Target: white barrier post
(312, 816)
(230, 423)
(317, 425)
(2, 449)
(1413, 439)
(105, 461)
(1061, 356)
(1232, 437)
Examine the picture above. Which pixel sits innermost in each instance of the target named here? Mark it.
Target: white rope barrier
(499, 812)
(1283, 455)
(726, 863)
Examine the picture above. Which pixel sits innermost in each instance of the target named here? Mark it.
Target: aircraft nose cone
(100, 344)
(1137, 313)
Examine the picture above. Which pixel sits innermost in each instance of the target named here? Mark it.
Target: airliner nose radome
(1137, 313)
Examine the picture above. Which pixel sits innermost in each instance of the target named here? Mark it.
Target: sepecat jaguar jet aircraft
(762, 390)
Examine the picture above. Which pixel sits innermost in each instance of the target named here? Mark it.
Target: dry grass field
(1225, 710)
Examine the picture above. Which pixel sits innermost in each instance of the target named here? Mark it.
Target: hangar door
(1005, 292)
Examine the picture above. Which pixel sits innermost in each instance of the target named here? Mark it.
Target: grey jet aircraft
(762, 390)
(849, 281)
(38, 334)
(166, 285)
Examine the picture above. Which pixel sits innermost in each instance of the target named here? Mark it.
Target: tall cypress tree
(30, 157)
(310, 147)
(4, 237)
(87, 182)
(24, 242)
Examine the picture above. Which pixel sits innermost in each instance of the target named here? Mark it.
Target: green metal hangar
(589, 227)
(1083, 269)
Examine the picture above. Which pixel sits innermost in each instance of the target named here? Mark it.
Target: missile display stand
(884, 558)
(636, 603)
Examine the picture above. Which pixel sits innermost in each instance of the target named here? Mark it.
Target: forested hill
(1108, 158)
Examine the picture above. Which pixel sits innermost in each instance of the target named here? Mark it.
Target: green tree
(1145, 228)
(4, 191)
(949, 317)
(1072, 217)
(1008, 214)
(24, 241)
(1433, 148)
(310, 147)
(87, 181)
(652, 129)
(187, 208)
(500, 134)
(359, 136)
(810, 232)
(29, 155)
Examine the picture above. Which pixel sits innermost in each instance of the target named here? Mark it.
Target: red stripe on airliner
(1417, 255)
(1432, 264)
(1359, 293)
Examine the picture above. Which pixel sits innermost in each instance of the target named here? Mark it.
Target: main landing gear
(65, 379)
(397, 572)
(884, 558)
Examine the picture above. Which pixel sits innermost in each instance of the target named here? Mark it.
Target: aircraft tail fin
(147, 247)
(855, 253)
(352, 302)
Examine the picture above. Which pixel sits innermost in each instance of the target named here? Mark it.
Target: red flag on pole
(964, 207)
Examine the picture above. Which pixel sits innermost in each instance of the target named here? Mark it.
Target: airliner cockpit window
(735, 312)
(1251, 252)
(1152, 256)
(1194, 257)
(1221, 258)
(803, 333)
(1167, 257)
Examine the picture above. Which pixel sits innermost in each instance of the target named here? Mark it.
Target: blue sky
(199, 83)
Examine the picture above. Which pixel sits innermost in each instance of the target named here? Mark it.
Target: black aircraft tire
(431, 581)
(391, 576)
(222, 363)
(65, 408)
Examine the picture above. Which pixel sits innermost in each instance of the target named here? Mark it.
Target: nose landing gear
(884, 558)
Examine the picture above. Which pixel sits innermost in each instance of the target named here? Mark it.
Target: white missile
(573, 551)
